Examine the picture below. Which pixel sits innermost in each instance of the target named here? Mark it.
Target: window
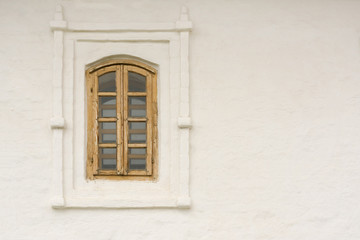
(122, 121)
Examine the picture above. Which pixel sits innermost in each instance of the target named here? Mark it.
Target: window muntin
(122, 115)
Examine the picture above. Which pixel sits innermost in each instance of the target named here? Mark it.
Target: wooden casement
(123, 145)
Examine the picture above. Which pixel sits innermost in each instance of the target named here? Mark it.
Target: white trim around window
(163, 46)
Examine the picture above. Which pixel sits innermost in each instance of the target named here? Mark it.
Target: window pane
(108, 125)
(107, 106)
(137, 138)
(137, 151)
(108, 151)
(108, 138)
(107, 158)
(137, 164)
(137, 106)
(108, 163)
(137, 132)
(137, 125)
(137, 82)
(107, 82)
(107, 132)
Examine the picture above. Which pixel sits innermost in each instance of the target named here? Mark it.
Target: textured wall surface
(275, 103)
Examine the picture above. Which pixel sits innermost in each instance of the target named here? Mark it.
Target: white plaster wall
(275, 104)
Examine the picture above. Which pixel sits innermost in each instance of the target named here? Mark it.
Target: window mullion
(125, 112)
(122, 98)
(119, 127)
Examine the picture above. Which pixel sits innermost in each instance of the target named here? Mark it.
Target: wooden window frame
(123, 171)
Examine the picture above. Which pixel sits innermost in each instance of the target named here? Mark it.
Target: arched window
(121, 121)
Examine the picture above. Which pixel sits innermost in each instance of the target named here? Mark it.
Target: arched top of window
(114, 60)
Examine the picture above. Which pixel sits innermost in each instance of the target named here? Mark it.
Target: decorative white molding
(168, 45)
(121, 27)
(58, 23)
(184, 122)
(184, 202)
(184, 24)
(58, 202)
(57, 121)
(184, 113)
(150, 202)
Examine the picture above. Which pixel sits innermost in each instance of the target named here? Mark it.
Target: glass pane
(107, 106)
(108, 138)
(107, 132)
(137, 82)
(137, 125)
(137, 106)
(137, 132)
(108, 125)
(107, 82)
(137, 138)
(109, 151)
(137, 163)
(137, 151)
(108, 163)
(107, 158)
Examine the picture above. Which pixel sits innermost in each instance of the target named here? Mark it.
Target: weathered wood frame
(121, 67)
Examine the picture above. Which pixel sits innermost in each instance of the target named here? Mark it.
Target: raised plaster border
(181, 198)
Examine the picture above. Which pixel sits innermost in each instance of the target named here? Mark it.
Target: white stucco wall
(275, 106)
